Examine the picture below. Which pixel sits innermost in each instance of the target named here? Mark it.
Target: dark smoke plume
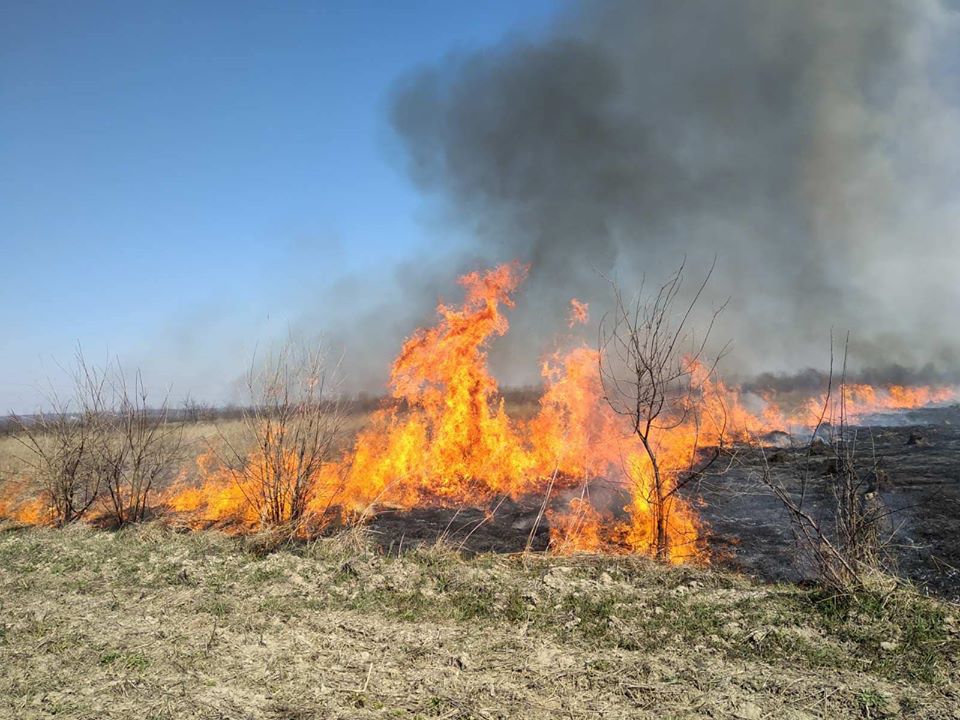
(813, 147)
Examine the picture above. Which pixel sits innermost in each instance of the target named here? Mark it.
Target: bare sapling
(653, 372)
(292, 424)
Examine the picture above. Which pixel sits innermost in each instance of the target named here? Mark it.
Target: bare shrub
(847, 543)
(137, 448)
(60, 444)
(652, 373)
(293, 423)
(104, 442)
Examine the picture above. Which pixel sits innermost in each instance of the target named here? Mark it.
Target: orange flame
(224, 497)
(579, 529)
(579, 313)
(447, 439)
(455, 443)
(19, 504)
(862, 400)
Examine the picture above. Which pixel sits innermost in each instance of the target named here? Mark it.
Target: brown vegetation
(150, 623)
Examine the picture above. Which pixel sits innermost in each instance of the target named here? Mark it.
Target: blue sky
(176, 177)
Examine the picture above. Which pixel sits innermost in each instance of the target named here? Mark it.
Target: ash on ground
(917, 455)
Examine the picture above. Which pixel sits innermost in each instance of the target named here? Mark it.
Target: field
(150, 623)
(437, 612)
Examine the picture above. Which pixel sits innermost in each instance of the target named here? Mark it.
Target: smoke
(812, 147)
(811, 382)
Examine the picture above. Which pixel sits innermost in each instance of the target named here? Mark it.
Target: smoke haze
(812, 147)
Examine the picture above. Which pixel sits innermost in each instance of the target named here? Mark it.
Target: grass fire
(480, 361)
(623, 452)
(444, 437)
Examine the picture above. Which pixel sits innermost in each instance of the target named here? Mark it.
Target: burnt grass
(745, 528)
(917, 458)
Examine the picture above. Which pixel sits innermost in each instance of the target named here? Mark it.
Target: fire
(579, 313)
(447, 440)
(224, 497)
(454, 443)
(578, 529)
(19, 504)
(863, 400)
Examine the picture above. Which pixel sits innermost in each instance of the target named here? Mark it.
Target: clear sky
(173, 175)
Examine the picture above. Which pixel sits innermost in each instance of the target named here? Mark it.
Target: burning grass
(156, 624)
(446, 439)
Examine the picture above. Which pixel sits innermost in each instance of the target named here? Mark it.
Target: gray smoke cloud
(812, 147)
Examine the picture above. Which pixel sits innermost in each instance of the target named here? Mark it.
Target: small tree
(652, 374)
(293, 421)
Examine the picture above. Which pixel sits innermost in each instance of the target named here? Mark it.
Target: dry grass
(11, 465)
(148, 623)
(206, 436)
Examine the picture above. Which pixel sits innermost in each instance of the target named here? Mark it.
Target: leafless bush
(60, 443)
(847, 543)
(104, 442)
(293, 421)
(136, 449)
(652, 373)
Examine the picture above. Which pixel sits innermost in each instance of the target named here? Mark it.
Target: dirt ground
(149, 623)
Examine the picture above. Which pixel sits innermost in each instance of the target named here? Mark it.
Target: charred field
(917, 458)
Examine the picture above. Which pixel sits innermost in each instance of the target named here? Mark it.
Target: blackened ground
(918, 455)
(746, 528)
(503, 525)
